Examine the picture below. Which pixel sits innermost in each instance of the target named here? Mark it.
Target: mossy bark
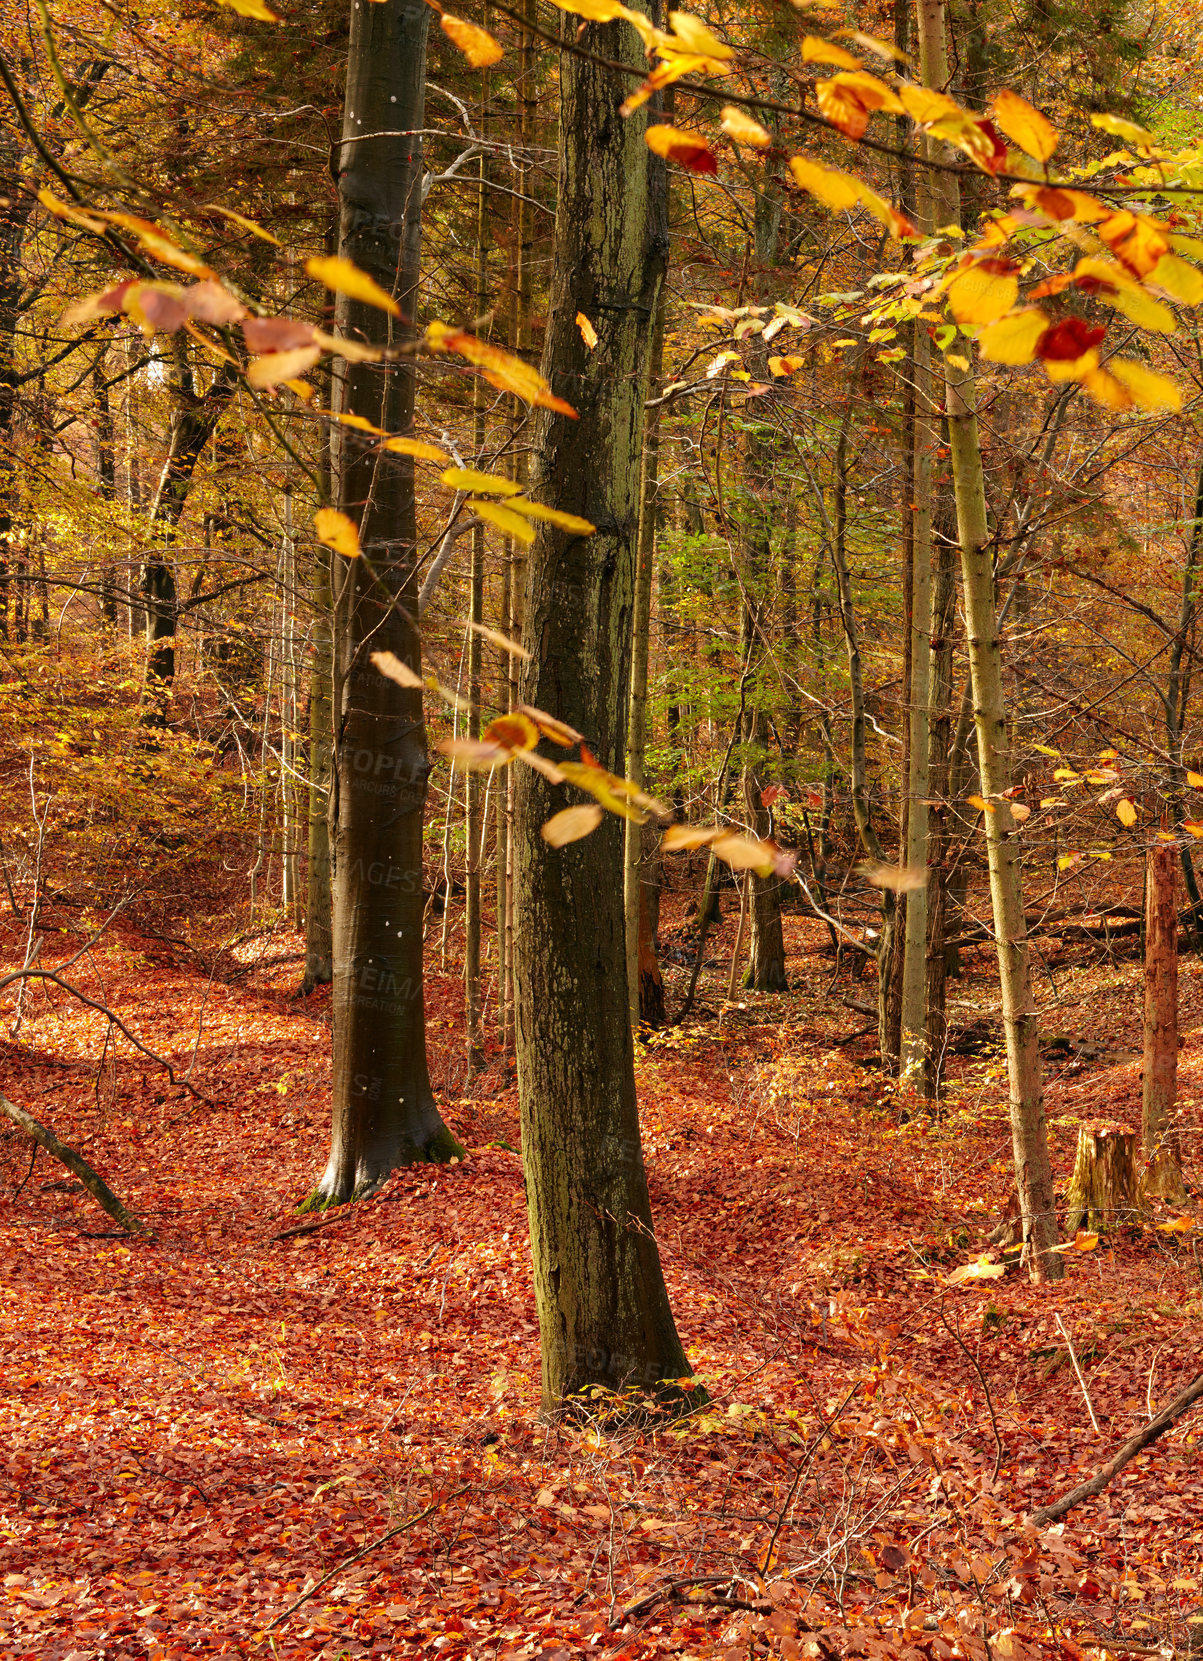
(604, 1316)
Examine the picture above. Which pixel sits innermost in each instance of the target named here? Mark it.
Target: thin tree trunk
(106, 479)
(474, 830)
(912, 1050)
(1033, 1170)
(633, 907)
(604, 1316)
(1163, 1154)
(384, 1113)
(318, 899)
(943, 622)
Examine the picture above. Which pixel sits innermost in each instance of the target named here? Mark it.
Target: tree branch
(75, 1163)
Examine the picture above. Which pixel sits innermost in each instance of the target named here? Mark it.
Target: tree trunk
(943, 622)
(651, 983)
(1033, 1171)
(383, 1107)
(1103, 1191)
(912, 1048)
(604, 1316)
(318, 899)
(1163, 1156)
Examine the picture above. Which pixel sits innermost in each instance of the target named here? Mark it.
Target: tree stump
(1104, 1190)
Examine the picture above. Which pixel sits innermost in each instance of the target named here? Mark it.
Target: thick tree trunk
(1163, 1156)
(383, 1108)
(1029, 1138)
(604, 1317)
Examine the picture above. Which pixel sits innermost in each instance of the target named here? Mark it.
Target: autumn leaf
(751, 853)
(1014, 339)
(1195, 780)
(571, 824)
(688, 149)
(1179, 279)
(980, 803)
(694, 36)
(1125, 812)
(346, 278)
(477, 44)
(1135, 240)
(276, 334)
(467, 478)
(738, 125)
(1127, 130)
(281, 366)
(414, 447)
(255, 9)
(240, 219)
(337, 532)
(474, 754)
(500, 368)
(516, 731)
(496, 638)
(513, 524)
(393, 669)
(901, 878)
(1177, 1225)
(840, 190)
(817, 50)
(981, 1268)
(1025, 126)
(588, 332)
(552, 516)
(1149, 389)
(983, 292)
(848, 100)
(785, 365)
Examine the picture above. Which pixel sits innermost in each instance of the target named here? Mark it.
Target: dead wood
(1149, 1433)
(75, 1163)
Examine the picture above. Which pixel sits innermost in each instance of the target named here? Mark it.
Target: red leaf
(1069, 339)
(276, 334)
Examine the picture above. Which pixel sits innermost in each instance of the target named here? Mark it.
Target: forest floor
(198, 1428)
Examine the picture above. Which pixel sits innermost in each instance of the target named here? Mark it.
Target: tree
(384, 1113)
(604, 1316)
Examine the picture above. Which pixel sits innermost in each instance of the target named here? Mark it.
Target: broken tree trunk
(1103, 1191)
(1163, 1159)
(75, 1163)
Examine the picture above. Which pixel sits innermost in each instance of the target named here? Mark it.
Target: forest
(601, 949)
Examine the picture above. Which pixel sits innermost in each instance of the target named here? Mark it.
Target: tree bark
(384, 1113)
(75, 1163)
(604, 1316)
(1103, 1190)
(912, 1047)
(943, 622)
(1029, 1138)
(319, 947)
(1163, 1154)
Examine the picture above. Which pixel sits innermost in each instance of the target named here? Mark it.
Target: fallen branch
(76, 1164)
(309, 1228)
(1168, 1417)
(349, 1562)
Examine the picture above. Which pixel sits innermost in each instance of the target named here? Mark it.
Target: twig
(309, 1228)
(1168, 1417)
(349, 1562)
(955, 1332)
(1081, 1378)
(76, 1163)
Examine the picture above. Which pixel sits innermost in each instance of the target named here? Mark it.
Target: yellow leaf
(679, 838)
(924, 106)
(1024, 126)
(1177, 1225)
(1150, 390)
(337, 532)
(477, 45)
(980, 1269)
(1125, 812)
(252, 8)
(515, 730)
(572, 824)
(840, 190)
(358, 423)
(281, 366)
(901, 878)
(1194, 826)
(345, 278)
(1106, 390)
(1084, 1241)
(785, 366)
(496, 638)
(870, 43)
(513, 524)
(353, 350)
(553, 516)
(980, 803)
(817, 50)
(1066, 862)
(737, 124)
(1139, 307)
(1195, 780)
(473, 754)
(981, 295)
(240, 219)
(1179, 280)
(393, 669)
(1066, 775)
(692, 35)
(588, 332)
(414, 447)
(467, 478)
(747, 853)
(1045, 751)
(1127, 130)
(664, 75)
(1013, 339)
(501, 369)
(302, 389)
(848, 100)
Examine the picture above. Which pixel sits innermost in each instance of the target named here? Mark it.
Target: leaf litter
(203, 1428)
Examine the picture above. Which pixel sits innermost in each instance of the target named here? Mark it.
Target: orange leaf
(1024, 126)
(477, 45)
(740, 126)
(817, 50)
(501, 369)
(337, 532)
(685, 148)
(588, 332)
